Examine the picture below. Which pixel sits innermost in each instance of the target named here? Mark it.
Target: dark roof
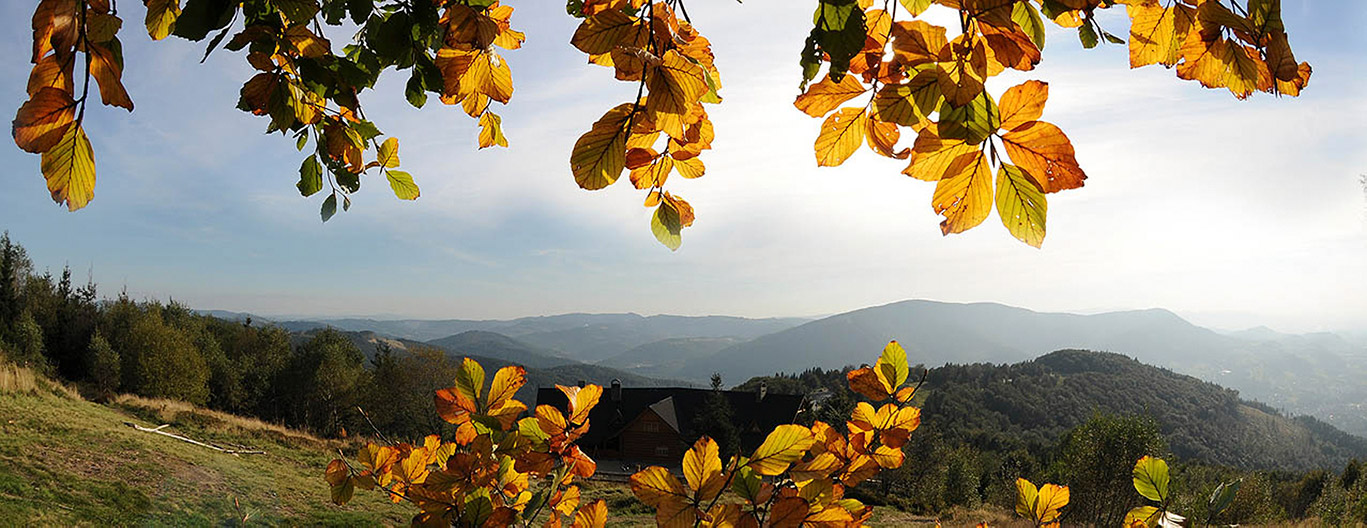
(754, 417)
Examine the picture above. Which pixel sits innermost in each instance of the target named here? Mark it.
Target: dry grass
(179, 412)
(17, 380)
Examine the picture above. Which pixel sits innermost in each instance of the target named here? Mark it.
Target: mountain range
(1316, 374)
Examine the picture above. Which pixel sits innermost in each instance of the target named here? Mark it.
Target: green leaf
(1027, 17)
(1151, 479)
(302, 140)
(1224, 496)
(366, 130)
(414, 90)
(667, 227)
(199, 17)
(310, 176)
(839, 31)
(1111, 38)
(359, 9)
(1021, 204)
(1087, 35)
(329, 207)
(747, 484)
(972, 122)
(402, 184)
(297, 11)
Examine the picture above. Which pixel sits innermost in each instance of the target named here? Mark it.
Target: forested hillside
(1319, 375)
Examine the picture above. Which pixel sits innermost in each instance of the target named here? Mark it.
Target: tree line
(321, 382)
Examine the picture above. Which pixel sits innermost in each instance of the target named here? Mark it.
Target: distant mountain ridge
(1318, 374)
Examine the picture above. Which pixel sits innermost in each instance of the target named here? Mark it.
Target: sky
(1230, 213)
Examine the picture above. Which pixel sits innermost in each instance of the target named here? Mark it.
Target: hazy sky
(1230, 213)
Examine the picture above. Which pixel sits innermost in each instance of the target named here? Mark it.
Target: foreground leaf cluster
(983, 153)
(917, 75)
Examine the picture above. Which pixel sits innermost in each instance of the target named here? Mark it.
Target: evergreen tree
(103, 366)
(716, 420)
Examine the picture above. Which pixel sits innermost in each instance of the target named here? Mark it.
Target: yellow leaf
(491, 130)
(466, 26)
(785, 445)
(52, 73)
(592, 516)
(675, 86)
(69, 167)
(388, 153)
(505, 385)
(1142, 516)
(568, 501)
(1026, 497)
(581, 401)
(600, 155)
(653, 174)
(161, 16)
(1023, 103)
(882, 138)
(470, 380)
(1052, 497)
(306, 43)
(827, 95)
(339, 481)
(603, 32)
(1157, 32)
(933, 157)
(690, 168)
(964, 196)
(658, 489)
(1046, 154)
(402, 184)
(892, 365)
(841, 135)
(44, 120)
(702, 470)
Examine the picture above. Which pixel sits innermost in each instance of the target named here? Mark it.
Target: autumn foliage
(502, 468)
(908, 73)
(900, 71)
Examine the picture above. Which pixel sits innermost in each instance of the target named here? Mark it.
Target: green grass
(69, 462)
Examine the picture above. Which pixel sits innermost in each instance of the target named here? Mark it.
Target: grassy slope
(68, 462)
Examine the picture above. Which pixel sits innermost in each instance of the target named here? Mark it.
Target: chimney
(616, 390)
(582, 383)
(761, 391)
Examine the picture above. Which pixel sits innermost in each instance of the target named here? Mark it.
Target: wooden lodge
(656, 424)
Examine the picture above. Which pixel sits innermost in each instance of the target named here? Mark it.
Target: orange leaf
(827, 95)
(599, 156)
(841, 135)
(43, 120)
(581, 401)
(1046, 154)
(788, 512)
(964, 196)
(1022, 103)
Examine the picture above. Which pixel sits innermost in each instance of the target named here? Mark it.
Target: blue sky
(1231, 213)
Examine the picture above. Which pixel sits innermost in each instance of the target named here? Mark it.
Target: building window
(661, 451)
(650, 427)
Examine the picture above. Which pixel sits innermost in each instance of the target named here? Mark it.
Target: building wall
(649, 437)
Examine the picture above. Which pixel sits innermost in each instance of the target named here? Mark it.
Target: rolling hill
(1034, 402)
(666, 357)
(1319, 375)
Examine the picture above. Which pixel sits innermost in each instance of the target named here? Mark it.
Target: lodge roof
(753, 415)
